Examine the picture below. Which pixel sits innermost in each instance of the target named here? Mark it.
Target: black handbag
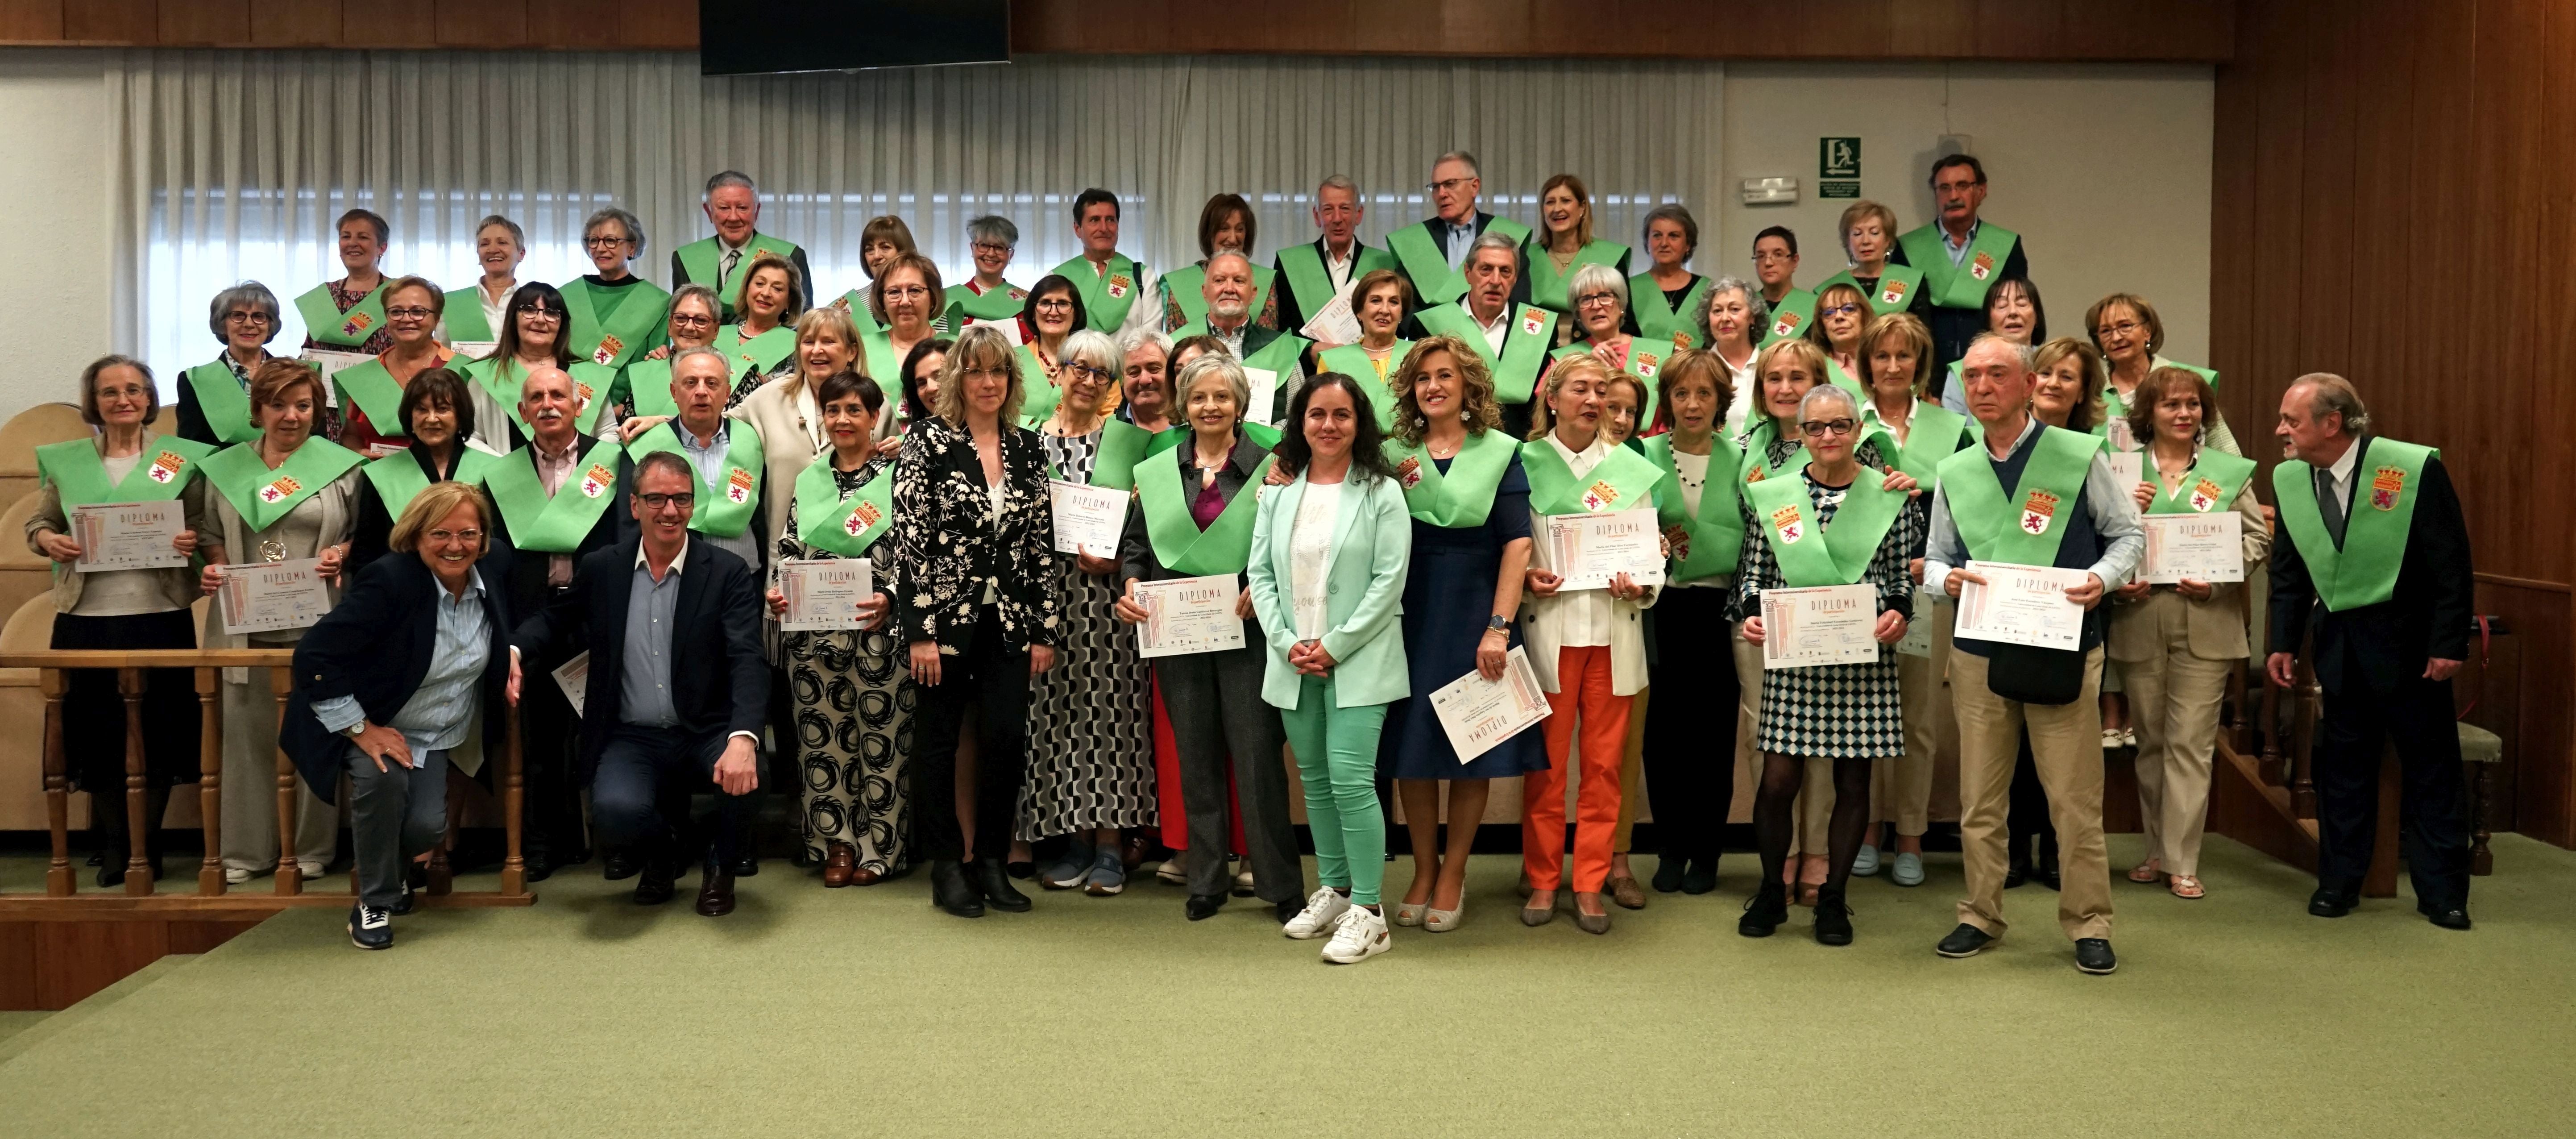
(2033, 675)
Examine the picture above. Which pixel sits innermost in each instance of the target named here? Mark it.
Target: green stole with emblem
(1644, 362)
(721, 510)
(501, 379)
(161, 471)
(863, 315)
(612, 326)
(1525, 345)
(1122, 446)
(1658, 320)
(1038, 393)
(262, 494)
(843, 527)
(325, 322)
(372, 387)
(2116, 406)
(2363, 571)
(997, 305)
(222, 401)
(1461, 497)
(878, 362)
(1897, 285)
(1757, 450)
(2025, 526)
(1716, 532)
(648, 383)
(1354, 361)
(462, 313)
(1224, 547)
(1963, 285)
(1547, 287)
(1624, 479)
(1796, 310)
(1310, 283)
(553, 524)
(398, 478)
(1186, 287)
(1426, 263)
(760, 353)
(2210, 483)
(1846, 547)
(701, 257)
(1933, 434)
(1106, 297)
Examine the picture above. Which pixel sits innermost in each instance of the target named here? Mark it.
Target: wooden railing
(61, 882)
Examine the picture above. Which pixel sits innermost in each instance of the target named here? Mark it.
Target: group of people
(585, 499)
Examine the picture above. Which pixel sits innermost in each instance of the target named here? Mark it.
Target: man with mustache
(1514, 337)
(1961, 255)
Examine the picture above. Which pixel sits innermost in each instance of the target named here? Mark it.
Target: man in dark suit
(732, 205)
(2376, 565)
(1961, 255)
(1433, 252)
(677, 689)
(1311, 275)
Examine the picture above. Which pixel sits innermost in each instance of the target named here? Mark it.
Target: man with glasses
(1434, 251)
(2044, 496)
(732, 205)
(1775, 267)
(1227, 289)
(986, 296)
(1111, 283)
(214, 402)
(1324, 268)
(1961, 256)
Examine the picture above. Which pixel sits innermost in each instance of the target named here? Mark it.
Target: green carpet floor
(863, 1012)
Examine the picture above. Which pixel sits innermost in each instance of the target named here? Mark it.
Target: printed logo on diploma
(597, 480)
(2384, 487)
(1893, 294)
(1981, 266)
(1118, 285)
(1787, 325)
(1790, 523)
(606, 353)
(165, 466)
(738, 486)
(1599, 496)
(1409, 472)
(2037, 510)
(2205, 495)
(284, 486)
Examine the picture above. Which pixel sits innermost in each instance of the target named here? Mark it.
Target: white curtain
(231, 165)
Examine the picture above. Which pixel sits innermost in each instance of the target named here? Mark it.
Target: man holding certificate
(2037, 505)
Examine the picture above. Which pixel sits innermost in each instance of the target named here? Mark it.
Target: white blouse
(1310, 552)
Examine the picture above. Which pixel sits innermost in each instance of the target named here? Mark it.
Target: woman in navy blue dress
(1471, 540)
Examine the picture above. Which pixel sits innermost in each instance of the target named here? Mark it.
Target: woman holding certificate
(438, 419)
(214, 397)
(1379, 300)
(1091, 731)
(100, 604)
(2175, 641)
(1329, 552)
(1731, 321)
(348, 315)
(1694, 784)
(1464, 487)
(371, 393)
(759, 346)
(854, 701)
(1824, 587)
(286, 497)
(1587, 643)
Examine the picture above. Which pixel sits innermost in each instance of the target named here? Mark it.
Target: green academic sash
(845, 527)
(1462, 497)
(1660, 321)
(1184, 549)
(2026, 526)
(1525, 345)
(878, 362)
(1122, 446)
(1935, 433)
(1426, 264)
(398, 478)
(1106, 297)
(612, 334)
(862, 316)
(1310, 284)
(1622, 480)
(553, 524)
(648, 383)
(760, 353)
(1963, 285)
(222, 401)
(1717, 531)
(721, 510)
(997, 305)
(1896, 288)
(74, 469)
(1038, 393)
(591, 383)
(701, 257)
(261, 494)
(1547, 286)
(2212, 483)
(2363, 571)
(375, 392)
(1796, 310)
(2115, 406)
(1354, 361)
(1186, 287)
(325, 322)
(1842, 553)
(1645, 362)
(463, 315)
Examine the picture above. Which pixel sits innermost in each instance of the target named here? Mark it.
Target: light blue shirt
(1459, 241)
(442, 708)
(712, 471)
(1959, 251)
(2115, 517)
(652, 607)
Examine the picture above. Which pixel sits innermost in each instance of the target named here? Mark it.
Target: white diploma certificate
(269, 597)
(574, 678)
(2129, 468)
(1336, 324)
(1010, 329)
(1479, 713)
(1189, 615)
(331, 362)
(475, 349)
(824, 593)
(1265, 390)
(1087, 518)
(1819, 625)
(1588, 550)
(2202, 547)
(2021, 605)
(128, 535)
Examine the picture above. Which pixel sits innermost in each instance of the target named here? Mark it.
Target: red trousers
(1175, 822)
(1583, 687)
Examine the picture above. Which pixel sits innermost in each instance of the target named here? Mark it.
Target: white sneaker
(1322, 910)
(1173, 872)
(1360, 935)
(1243, 883)
(235, 876)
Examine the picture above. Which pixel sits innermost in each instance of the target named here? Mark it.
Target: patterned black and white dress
(1843, 711)
(1091, 730)
(854, 703)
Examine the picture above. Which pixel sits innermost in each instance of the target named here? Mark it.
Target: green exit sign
(1837, 157)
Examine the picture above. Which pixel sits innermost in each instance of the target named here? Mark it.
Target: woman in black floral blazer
(978, 603)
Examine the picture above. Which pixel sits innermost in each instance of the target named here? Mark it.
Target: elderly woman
(2131, 338)
(646, 380)
(1731, 317)
(2014, 312)
(348, 315)
(787, 415)
(390, 682)
(1053, 311)
(1600, 311)
(473, 315)
(1380, 299)
(1144, 356)
(979, 607)
(1691, 784)
(616, 316)
(1563, 243)
(1830, 524)
(214, 399)
(1091, 736)
(882, 239)
(906, 291)
(372, 392)
(286, 496)
(2176, 642)
(1841, 314)
(534, 338)
(1869, 239)
(854, 701)
(990, 240)
(1667, 298)
(759, 346)
(122, 609)
(437, 418)
(1225, 224)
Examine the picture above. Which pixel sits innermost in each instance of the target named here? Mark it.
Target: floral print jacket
(948, 544)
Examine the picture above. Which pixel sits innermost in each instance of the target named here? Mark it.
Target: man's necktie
(733, 257)
(2330, 504)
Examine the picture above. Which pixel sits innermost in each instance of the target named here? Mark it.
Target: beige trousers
(1900, 791)
(2066, 741)
(2173, 701)
(249, 837)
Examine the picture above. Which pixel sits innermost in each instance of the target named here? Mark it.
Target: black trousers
(996, 682)
(94, 711)
(2027, 815)
(549, 740)
(2433, 825)
(1689, 745)
(640, 795)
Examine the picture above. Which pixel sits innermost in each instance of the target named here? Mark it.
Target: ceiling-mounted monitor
(768, 37)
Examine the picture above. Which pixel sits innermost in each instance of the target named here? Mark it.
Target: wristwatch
(1496, 624)
(355, 730)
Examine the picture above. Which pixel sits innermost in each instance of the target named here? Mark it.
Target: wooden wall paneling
(2017, 29)
(203, 23)
(483, 23)
(580, 24)
(2233, 315)
(204, 936)
(31, 21)
(391, 26)
(2326, 284)
(295, 23)
(2507, 74)
(77, 958)
(2382, 55)
(18, 966)
(111, 21)
(1940, 27)
(2280, 40)
(661, 24)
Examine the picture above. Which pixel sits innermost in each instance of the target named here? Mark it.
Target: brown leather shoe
(839, 861)
(1625, 891)
(715, 899)
(862, 876)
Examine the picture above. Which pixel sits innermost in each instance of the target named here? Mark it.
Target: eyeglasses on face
(409, 312)
(238, 317)
(1447, 185)
(604, 242)
(691, 320)
(1056, 304)
(535, 313)
(1839, 310)
(443, 537)
(684, 500)
(1817, 429)
(2122, 328)
(1080, 371)
(1592, 300)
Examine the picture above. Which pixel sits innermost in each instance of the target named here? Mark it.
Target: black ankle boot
(1766, 910)
(950, 891)
(2017, 869)
(1833, 917)
(995, 884)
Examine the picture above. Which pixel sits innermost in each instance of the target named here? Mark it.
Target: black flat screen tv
(767, 37)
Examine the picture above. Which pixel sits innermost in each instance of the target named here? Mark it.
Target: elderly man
(1324, 268)
(553, 498)
(1513, 338)
(1111, 283)
(2034, 495)
(733, 207)
(991, 240)
(724, 452)
(1434, 251)
(677, 690)
(1961, 256)
(1228, 293)
(2381, 577)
